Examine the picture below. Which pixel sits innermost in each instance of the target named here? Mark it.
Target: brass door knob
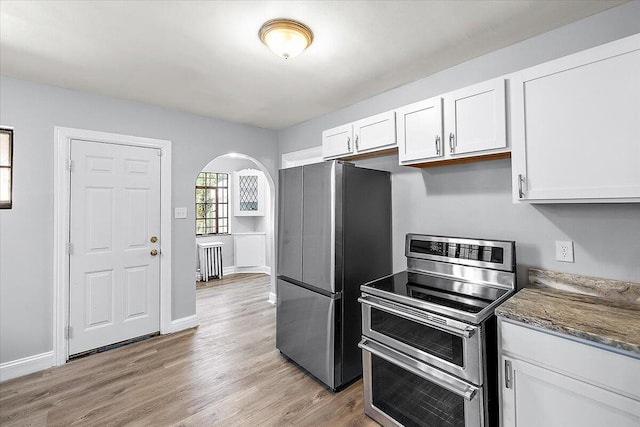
(153, 239)
(154, 252)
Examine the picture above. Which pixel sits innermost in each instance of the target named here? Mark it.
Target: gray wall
(26, 231)
(475, 199)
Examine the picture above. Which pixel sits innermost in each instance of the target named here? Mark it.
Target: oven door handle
(464, 333)
(446, 381)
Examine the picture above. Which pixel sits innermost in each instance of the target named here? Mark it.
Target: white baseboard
(272, 297)
(183, 323)
(26, 365)
(232, 269)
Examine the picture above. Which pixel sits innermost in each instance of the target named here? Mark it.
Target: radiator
(210, 255)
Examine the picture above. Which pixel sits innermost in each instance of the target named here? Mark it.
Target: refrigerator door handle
(332, 295)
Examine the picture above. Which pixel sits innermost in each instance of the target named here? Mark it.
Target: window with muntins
(212, 203)
(6, 168)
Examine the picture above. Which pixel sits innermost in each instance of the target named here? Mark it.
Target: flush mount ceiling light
(285, 37)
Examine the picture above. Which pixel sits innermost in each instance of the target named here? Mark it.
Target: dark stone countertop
(610, 322)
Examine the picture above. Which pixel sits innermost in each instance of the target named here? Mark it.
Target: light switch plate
(180, 213)
(564, 251)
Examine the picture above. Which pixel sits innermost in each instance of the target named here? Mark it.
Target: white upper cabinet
(420, 131)
(474, 125)
(248, 195)
(337, 142)
(576, 127)
(364, 136)
(375, 132)
(475, 119)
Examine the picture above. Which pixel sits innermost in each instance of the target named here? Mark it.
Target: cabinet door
(248, 195)
(290, 223)
(420, 131)
(337, 142)
(302, 329)
(576, 127)
(249, 250)
(375, 132)
(534, 397)
(475, 118)
(318, 232)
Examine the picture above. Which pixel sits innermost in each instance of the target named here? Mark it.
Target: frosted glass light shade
(285, 37)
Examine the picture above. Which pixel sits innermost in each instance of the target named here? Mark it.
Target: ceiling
(205, 57)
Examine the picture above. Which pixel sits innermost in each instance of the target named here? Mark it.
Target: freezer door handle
(324, 292)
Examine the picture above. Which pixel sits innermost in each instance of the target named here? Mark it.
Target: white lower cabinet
(249, 249)
(547, 380)
(576, 127)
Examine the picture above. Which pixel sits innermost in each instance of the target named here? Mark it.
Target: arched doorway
(238, 228)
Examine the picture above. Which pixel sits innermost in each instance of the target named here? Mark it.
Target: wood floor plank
(225, 372)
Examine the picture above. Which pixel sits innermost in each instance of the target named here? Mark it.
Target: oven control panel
(459, 250)
(474, 252)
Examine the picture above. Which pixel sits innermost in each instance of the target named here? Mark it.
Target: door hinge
(159, 152)
(68, 332)
(508, 374)
(69, 165)
(69, 248)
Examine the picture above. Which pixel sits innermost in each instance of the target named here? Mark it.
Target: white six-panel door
(114, 287)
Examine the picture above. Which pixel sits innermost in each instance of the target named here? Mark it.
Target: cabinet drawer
(602, 368)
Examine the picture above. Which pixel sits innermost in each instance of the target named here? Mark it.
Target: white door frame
(61, 201)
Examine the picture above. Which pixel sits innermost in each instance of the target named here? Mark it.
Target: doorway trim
(61, 203)
(273, 211)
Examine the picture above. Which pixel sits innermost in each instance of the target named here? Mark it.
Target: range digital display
(458, 250)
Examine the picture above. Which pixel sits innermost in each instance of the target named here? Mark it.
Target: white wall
(26, 231)
(475, 199)
(239, 224)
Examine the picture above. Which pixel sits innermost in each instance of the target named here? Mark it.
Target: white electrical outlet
(564, 251)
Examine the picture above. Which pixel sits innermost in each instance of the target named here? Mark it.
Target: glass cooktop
(437, 291)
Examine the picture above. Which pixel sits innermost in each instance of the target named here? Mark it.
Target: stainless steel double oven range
(429, 333)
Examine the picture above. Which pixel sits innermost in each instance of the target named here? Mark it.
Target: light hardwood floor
(226, 372)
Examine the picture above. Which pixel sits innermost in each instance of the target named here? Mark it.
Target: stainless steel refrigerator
(334, 234)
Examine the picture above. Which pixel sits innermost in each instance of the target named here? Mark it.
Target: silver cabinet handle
(520, 184)
(357, 148)
(422, 370)
(451, 141)
(348, 143)
(419, 318)
(507, 374)
(438, 144)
